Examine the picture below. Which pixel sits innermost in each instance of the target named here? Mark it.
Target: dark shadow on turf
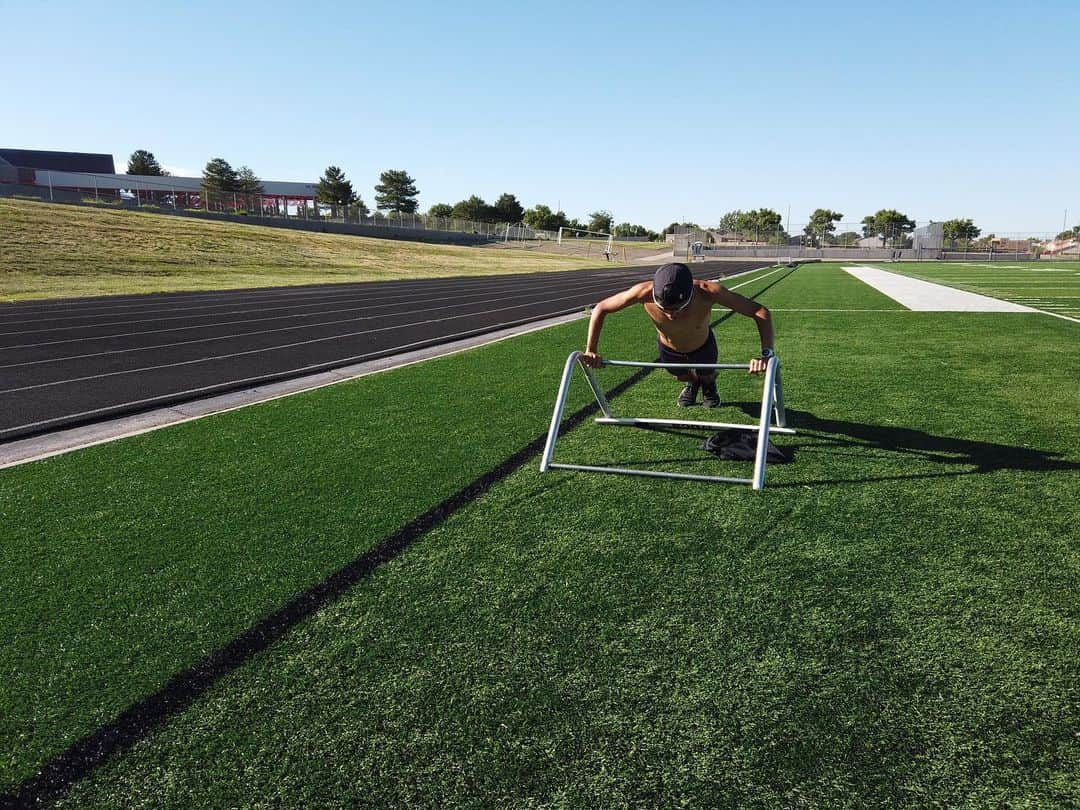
(974, 457)
(62, 771)
(703, 457)
(65, 769)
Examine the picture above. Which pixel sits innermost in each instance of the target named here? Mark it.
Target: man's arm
(613, 303)
(752, 309)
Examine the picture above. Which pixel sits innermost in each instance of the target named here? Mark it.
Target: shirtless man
(681, 308)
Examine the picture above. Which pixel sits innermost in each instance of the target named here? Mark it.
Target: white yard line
(936, 297)
(924, 296)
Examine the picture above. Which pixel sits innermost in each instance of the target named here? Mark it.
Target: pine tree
(220, 176)
(334, 189)
(508, 209)
(248, 182)
(473, 209)
(396, 192)
(144, 163)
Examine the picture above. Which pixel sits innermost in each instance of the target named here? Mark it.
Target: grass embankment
(892, 622)
(64, 251)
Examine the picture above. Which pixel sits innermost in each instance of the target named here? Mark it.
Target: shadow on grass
(55, 776)
(837, 437)
(959, 456)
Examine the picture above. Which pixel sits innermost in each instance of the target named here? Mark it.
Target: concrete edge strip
(36, 448)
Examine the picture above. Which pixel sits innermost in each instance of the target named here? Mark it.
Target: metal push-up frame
(772, 405)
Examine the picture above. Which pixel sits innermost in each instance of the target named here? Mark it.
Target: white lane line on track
(240, 301)
(217, 386)
(581, 288)
(399, 302)
(299, 291)
(256, 396)
(376, 287)
(52, 360)
(267, 349)
(298, 371)
(517, 289)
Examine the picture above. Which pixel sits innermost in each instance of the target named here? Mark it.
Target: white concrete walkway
(924, 296)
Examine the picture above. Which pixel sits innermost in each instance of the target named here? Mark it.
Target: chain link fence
(173, 196)
(853, 241)
(836, 240)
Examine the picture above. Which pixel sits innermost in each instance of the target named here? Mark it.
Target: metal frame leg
(778, 400)
(556, 416)
(772, 407)
(761, 457)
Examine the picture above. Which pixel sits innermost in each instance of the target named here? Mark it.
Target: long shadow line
(78, 760)
(62, 771)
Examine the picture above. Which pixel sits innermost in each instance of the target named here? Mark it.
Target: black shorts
(707, 353)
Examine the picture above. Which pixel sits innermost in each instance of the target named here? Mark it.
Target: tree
(542, 218)
(674, 226)
(248, 182)
(508, 209)
(220, 176)
(762, 223)
(396, 192)
(888, 225)
(626, 229)
(474, 209)
(729, 222)
(960, 230)
(848, 239)
(1073, 234)
(822, 223)
(443, 210)
(144, 163)
(600, 221)
(334, 189)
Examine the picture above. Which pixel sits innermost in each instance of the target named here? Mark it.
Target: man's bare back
(680, 309)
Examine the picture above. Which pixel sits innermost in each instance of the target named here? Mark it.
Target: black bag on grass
(741, 445)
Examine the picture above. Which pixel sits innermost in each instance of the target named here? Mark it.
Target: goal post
(567, 233)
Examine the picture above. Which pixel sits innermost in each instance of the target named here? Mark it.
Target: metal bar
(556, 416)
(778, 402)
(630, 420)
(652, 473)
(635, 364)
(761, 458)
(598, 392)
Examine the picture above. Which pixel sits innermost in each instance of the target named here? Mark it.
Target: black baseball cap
(673, 285)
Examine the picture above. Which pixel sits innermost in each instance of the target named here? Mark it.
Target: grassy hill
(63, 251)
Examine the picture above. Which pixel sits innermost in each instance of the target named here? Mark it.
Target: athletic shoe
(689, 395)
(710, 398)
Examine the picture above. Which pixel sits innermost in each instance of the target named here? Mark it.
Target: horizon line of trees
(396, 193)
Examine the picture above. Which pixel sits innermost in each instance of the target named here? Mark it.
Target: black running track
(76, 361)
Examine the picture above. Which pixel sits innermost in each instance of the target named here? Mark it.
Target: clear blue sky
(656, 111)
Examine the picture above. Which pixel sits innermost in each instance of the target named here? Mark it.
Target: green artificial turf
(892, 621)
